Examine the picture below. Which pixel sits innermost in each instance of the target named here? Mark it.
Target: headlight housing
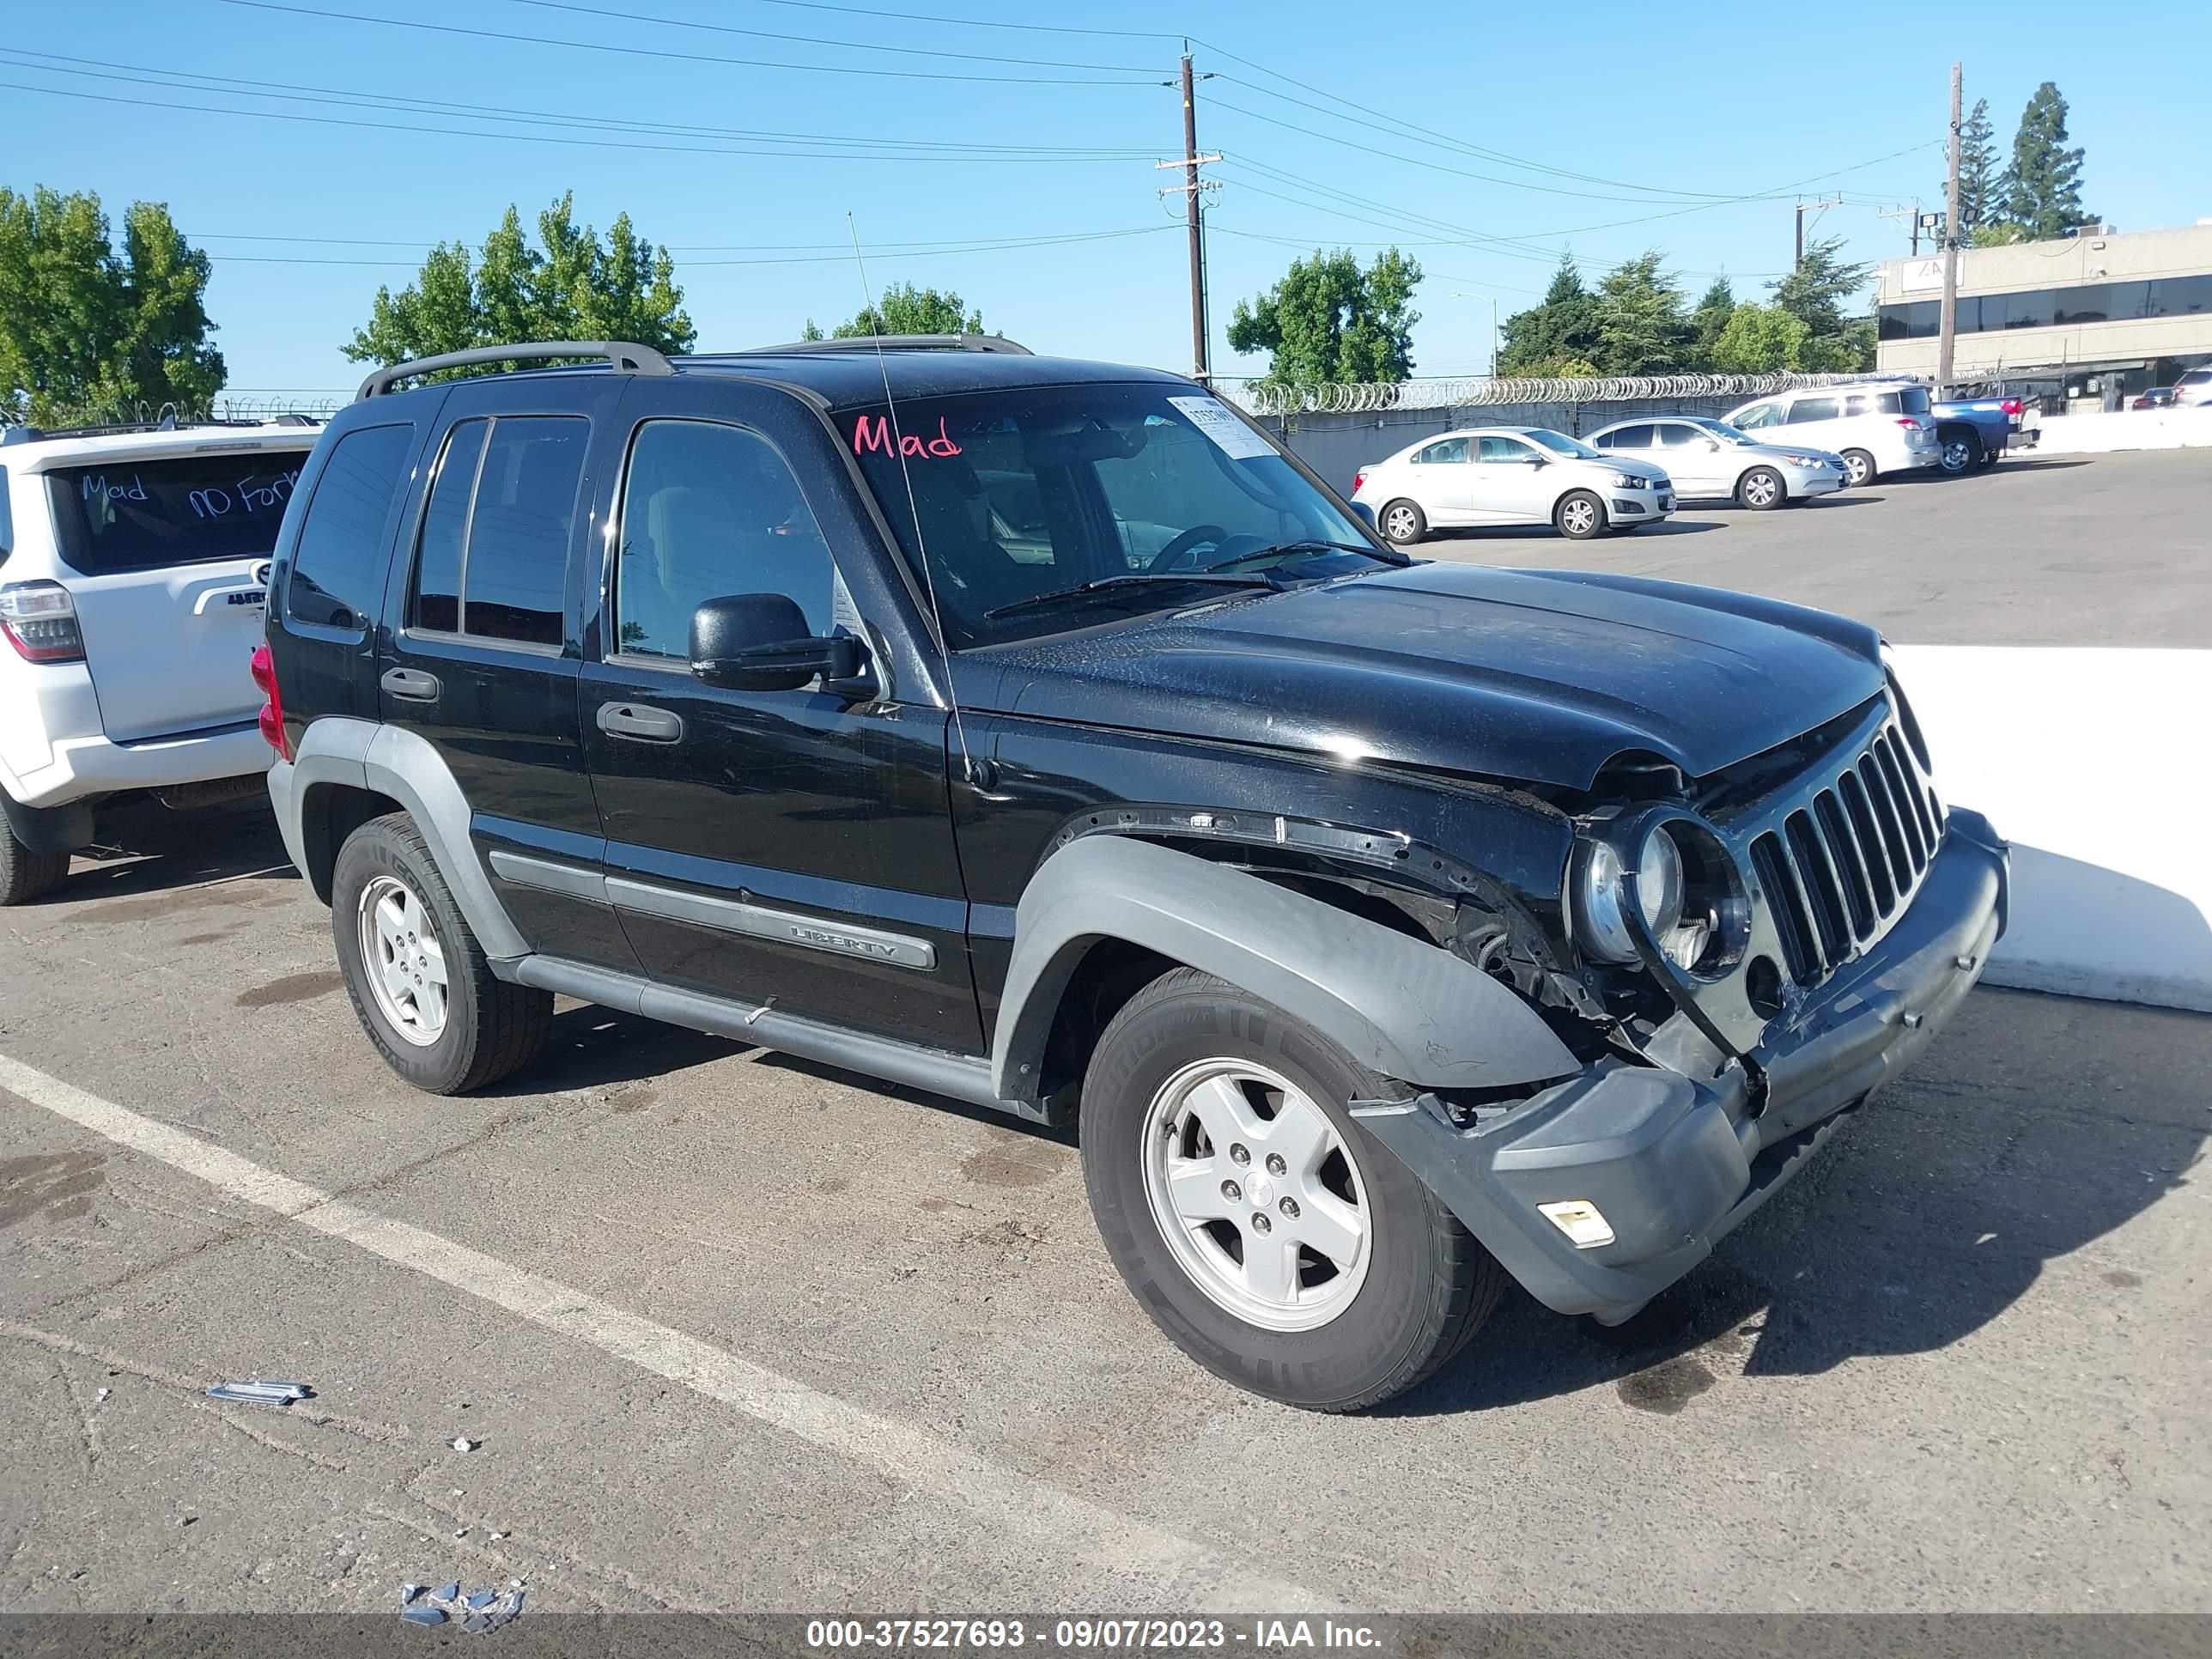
(1683, 883)
(1632, 481)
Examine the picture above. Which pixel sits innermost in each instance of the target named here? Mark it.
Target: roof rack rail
(621, 355)
(998, 343)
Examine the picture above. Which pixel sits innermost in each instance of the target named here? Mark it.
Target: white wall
(2096, 763)
(2125, 428)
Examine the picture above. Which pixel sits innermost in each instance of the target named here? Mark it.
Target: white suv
(2193, 389)
(133, 565)
(1876, 428)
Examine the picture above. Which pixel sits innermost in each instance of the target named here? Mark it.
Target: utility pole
(1190, 187)
(1820, 206)
(1948, 318)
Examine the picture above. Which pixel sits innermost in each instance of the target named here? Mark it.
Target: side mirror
(1713, 444)
(759, 642)
(1536, 460)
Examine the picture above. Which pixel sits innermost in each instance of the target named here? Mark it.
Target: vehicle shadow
(593, 1047)
(142, 847)
(2037, 1125)
(996, 1120)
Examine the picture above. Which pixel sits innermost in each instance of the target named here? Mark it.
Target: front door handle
(641, 722)
(412, 683)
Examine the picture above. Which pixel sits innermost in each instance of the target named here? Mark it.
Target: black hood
(1535, 676)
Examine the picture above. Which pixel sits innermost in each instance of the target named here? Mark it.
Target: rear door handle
(412, 683)
(639, 722)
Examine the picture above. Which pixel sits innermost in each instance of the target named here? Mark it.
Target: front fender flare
(1399, 1006)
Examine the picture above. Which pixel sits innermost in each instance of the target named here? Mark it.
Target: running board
(962, 1077)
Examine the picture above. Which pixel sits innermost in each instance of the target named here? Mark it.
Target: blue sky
(1507, 133)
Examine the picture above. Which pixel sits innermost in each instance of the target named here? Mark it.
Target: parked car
(2157, 397)
(1974, 432)
(1876, 428)
(2194, 389)
(1389, 929)
(1503, 475)
(132, 564)
(1712, 460)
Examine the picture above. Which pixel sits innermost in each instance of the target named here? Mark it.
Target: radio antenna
(913, 507)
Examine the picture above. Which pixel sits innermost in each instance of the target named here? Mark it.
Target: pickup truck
(1975, 431)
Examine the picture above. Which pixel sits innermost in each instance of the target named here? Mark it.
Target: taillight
(40, 619)
(273, 711)
(2012, 406)
(1358, 480)
(1910, 422)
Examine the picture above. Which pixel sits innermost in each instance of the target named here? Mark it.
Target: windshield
(1024, 493)
(196, 509)
(1725, 433)
(1561, 444)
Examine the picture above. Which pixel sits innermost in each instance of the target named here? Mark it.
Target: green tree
(88, 334)
(1560, 328)
(571, 285)
(1329, 322)
(1759, 339)
(1642, 328)
(1710, 316)
(1978, 175)
(1817, 293)
(2042, 187)
(905, 309)
(1998, 233)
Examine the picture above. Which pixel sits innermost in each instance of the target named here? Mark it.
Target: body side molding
(1398, 1005)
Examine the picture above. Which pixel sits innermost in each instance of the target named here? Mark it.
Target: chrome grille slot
(1838, 855)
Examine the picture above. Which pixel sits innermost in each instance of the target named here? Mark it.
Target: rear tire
(1402, 523)
(25, 875)
(1580, 516)
(1189, 1053)
(1962, 454)
(428, 1000)
(1762, 489)
(1859, 469)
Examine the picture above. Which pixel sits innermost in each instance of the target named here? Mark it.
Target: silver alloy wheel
(1860, 469)
(405, 964)
(1578, 517)
(1958, 455)
(1761, 490)
(1262, 1202)
(1398, 523)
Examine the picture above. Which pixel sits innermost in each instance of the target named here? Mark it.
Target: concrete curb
(2092, 761)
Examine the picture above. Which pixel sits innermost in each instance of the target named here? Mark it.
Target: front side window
(338, 567)
(1501, 451)
(1451, 449)
(1010, 500)
(1629, 437)
(1673, 434)
(1559, 444)
(493, 560)
(188, 510)
(711, 510)
(1757, 416)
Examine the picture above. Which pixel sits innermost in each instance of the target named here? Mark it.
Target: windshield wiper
(1135, 579)
(1304, 545)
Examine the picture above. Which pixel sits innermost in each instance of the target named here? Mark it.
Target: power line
(677, 57)
(344, 98)
(818, 41)
(975, 22)
(527, 138)
(908, 252)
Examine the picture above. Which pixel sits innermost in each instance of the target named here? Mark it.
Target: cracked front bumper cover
(1674, 1160)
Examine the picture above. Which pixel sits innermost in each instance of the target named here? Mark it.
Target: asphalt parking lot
(733, 1332)
(2056, 550)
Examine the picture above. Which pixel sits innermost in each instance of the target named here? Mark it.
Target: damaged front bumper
(1673, 1158)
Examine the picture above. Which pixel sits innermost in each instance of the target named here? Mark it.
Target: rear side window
(1812, 409)
(493, 559)
(337, 567)
(188, 510)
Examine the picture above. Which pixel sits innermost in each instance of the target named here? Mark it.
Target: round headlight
(1600, 892)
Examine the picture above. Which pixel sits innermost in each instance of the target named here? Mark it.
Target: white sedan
(1710, 460)
(1505, 474)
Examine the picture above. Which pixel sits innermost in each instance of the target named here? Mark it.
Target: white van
(1875, 427)
(133, 570)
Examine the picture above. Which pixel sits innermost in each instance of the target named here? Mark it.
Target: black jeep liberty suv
(1040, 734)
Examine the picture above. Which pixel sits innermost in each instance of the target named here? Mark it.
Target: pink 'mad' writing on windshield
(874, 432)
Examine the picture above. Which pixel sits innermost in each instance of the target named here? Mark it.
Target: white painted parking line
(1037, 1516)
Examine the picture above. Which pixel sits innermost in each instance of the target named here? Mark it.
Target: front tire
(1267, 1234)
(1580, 516)
(1403, 523)
(1858, 468)
(25, 875)
(417, 978)
(1762, 489)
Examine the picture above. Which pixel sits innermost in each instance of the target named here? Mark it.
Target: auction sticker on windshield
(1230, 435)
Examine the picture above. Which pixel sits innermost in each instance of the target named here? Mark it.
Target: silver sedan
(1712, 460)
